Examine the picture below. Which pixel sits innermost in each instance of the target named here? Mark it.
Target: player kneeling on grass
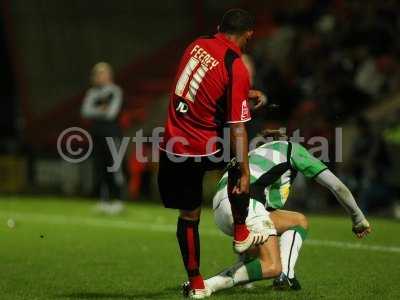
(273, 167)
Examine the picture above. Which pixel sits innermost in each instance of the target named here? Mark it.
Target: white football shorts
(258, 219)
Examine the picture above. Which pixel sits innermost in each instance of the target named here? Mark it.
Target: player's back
(199, 104)
(268, 159)
(273, 166)
(269, 168)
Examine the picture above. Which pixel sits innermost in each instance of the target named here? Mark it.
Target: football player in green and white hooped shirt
(273, 167)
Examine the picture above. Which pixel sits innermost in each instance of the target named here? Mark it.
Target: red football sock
(240, 232)
(196, 282)
(189, 243)
(239, 206)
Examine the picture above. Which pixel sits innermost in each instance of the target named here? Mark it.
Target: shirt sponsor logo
(182, 107)
(285, 190)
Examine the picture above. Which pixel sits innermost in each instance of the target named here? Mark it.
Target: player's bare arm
(239, 195)
(240, 148)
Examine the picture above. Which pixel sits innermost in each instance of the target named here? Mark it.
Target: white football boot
(195, 293)
(253, 239)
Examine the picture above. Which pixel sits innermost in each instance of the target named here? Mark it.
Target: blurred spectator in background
(325, 62)
(371, 167)
(342, 55)
(101, 106)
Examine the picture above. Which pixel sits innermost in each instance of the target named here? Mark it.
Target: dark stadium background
(326, 63)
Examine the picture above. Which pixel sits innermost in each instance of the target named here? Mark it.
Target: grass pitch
(62, 249)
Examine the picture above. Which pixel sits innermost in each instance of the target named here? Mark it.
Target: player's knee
(302, 221)
(190, 215)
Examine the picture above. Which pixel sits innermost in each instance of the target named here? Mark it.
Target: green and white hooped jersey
(273, 167)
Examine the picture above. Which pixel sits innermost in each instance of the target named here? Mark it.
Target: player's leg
(243, 239)
(262, 261)
(239, 206)
(293, 227)
(265, 265)
(180, 185)
(267, 255)
(115, 181)
(189, 243)
(102, 191)
(99, 155)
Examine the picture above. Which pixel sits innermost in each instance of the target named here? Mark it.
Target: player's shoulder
(298, 150)
(300, 153)
(297, 147)
(202, 42)
(235, 62)
(296, 144)
(214, 44)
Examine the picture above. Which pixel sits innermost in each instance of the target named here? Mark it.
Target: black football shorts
(181, 183)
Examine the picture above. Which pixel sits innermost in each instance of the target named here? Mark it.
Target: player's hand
(243, 185)
(362, 229)
(258, 97)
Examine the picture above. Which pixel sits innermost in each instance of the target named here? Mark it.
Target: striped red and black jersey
(210, 89)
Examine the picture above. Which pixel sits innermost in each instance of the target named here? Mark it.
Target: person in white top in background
(101, 106)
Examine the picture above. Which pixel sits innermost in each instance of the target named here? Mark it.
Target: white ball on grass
(11, 223)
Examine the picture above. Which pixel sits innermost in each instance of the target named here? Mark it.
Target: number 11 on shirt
(182, 85)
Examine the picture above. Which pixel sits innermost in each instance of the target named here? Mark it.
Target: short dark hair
(275, 134)
(236, 21)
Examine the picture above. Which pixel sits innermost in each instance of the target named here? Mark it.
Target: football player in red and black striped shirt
(210, 92)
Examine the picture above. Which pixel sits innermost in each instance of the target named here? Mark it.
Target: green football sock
(254, 270)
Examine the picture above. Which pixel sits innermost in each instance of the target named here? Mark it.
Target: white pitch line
(353, 246)
(53, 219)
